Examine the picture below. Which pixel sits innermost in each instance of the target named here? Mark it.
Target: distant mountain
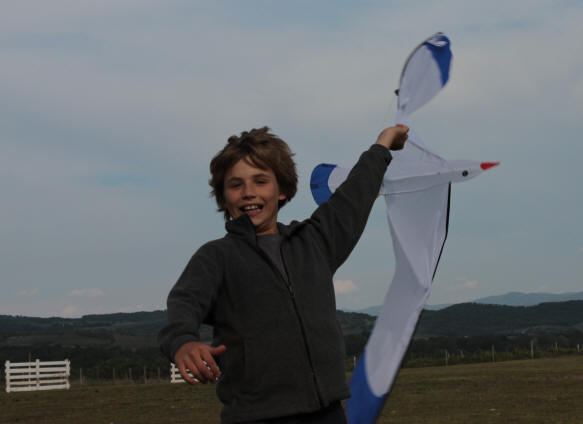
(139, 330)
(529, 299)
(372, 310)
(475, 319)
(120, 330)
(438, 307)
(124, 330)
(375, 310)
(508, 299)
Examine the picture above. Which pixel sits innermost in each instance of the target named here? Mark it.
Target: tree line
(122, 346)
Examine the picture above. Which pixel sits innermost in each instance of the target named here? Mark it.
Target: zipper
(290, 288)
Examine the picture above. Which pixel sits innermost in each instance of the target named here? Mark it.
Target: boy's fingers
(198, 368)
(182, 369)
(205, 370)
(211, 366)
(191, 364)
(219, 350)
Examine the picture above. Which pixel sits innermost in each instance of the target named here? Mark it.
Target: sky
(110, 112)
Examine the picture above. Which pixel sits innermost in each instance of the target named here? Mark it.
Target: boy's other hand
(198, 357)
(394, 138)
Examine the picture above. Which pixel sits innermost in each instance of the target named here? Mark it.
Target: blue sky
(111, 111)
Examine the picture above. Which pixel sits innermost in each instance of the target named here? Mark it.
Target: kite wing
(417, 197)
(426, 71)
(417, 250)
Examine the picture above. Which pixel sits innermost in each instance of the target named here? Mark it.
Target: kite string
(390, 112)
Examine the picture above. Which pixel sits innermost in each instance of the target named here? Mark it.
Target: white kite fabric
(416, 189)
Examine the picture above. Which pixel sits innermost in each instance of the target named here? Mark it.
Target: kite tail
(364, 406)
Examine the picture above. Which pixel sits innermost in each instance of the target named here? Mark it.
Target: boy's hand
(394, 138)
(198, 358)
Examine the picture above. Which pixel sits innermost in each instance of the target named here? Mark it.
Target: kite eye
(465, 173)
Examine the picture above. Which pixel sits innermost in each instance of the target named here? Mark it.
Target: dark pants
(333, 414)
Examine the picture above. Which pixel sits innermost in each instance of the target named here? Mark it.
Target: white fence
(175, 376)
(29, 376)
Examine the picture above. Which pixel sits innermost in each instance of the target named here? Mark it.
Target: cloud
(543, 288)
(85, 293)
(470, 284)
(69, 311)
(465, 284)
(28, 292)
(344, 286)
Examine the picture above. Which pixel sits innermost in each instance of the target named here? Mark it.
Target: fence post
(158, 374)
(80, 376)
(145, 376)
(172, 372)
(493, 359)
(37, 365)
(68, 372)
(532, 349)
(446, 357)
(130, 375)
(7, 374)
(113, 375)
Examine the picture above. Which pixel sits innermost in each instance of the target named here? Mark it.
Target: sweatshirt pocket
(271, 364)
(232, 365)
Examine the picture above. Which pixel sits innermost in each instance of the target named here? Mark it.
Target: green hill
(139, 329)
(104, 343)
(473, 319)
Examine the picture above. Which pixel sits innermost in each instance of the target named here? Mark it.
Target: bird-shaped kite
(416, 189)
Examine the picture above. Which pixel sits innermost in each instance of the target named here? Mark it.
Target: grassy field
(539, 391)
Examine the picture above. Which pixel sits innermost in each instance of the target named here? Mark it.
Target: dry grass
(540, 391)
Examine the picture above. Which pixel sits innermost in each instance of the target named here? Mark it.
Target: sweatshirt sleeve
(191, 300)
(340, 221)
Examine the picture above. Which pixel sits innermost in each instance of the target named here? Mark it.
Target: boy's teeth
(250, 208)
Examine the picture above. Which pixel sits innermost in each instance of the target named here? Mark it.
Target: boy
(267, 287)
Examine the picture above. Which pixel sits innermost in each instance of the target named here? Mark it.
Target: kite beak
(488, 165)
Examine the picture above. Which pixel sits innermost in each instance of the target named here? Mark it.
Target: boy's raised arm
(341, 220)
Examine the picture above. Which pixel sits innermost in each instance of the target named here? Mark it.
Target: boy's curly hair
(264, 150)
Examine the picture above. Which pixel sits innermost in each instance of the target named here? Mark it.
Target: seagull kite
(416, 188)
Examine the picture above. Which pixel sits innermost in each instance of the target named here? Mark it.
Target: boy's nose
(248, 192)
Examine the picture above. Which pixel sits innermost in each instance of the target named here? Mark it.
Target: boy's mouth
(251, 209)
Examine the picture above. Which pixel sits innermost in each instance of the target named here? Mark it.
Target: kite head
(488, 165)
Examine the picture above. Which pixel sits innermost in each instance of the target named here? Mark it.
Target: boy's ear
(282, 196)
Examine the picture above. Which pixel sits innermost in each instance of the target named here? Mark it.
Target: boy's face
(255, 192)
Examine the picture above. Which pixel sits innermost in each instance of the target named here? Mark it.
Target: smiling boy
(277, 352)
